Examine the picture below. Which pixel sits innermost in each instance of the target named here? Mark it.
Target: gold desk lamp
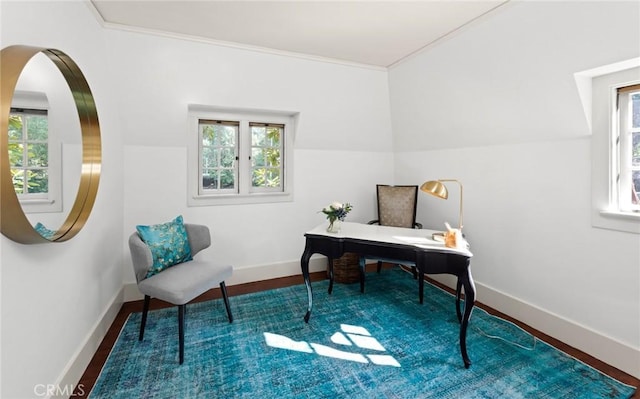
(438, 189)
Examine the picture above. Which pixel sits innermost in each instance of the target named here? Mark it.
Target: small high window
(609, 95)
(240, 156)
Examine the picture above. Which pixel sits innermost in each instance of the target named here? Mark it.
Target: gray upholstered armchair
(181, 283)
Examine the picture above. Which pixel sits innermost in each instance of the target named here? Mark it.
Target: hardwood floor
(93, 370)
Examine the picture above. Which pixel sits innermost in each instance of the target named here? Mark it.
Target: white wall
(57, 299)
(342, 144)
(496, 106)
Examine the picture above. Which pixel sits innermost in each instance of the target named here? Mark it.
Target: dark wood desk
(396, 243)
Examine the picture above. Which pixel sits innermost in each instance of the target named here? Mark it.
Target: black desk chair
(396, 207)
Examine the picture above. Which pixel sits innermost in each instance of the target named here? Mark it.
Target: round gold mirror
(14, 224)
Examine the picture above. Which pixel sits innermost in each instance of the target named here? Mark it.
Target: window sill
(239, 199)
(36, 201)
(40, 205)
(621, 215)
(628, 222)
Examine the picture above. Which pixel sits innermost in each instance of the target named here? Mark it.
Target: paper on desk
(426, 243)
(418, 240)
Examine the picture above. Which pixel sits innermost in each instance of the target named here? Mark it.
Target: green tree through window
(266, 155)
(219, 154)
(29, 152)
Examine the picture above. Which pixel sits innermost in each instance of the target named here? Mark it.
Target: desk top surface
(421, 238)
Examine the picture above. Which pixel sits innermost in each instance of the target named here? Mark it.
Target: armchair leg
(223, 289)
(181, 331)
(379, 266)
(145, 310)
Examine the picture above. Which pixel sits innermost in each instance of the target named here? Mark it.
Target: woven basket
(346, 269)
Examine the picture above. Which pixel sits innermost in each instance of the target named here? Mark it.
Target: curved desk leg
(458, 295)
(469, 298)
(304, 264)
(363, 265)
(421, 286)
(330, 290)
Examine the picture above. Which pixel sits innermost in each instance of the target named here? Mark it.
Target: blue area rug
(381, 344)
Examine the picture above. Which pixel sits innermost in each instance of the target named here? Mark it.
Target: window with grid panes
(266, 156)
(218, 156)
(608, 102)
(242, 156)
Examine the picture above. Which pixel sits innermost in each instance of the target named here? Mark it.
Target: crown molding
(221, 43)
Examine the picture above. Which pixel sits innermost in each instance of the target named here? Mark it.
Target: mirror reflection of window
(33, 153)
(29, 152)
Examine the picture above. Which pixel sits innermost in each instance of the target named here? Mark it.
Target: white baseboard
(76, 367)
(602, 347)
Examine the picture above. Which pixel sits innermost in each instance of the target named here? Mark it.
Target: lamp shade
(435, 188)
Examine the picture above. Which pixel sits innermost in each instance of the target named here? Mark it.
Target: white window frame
(598, 90)
(621, 154)
(52, 201)
(244, 193)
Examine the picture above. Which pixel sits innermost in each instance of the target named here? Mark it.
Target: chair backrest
(199, 239)
(397, 205)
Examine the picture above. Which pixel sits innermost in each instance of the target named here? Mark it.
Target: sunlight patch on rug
(358, 336)
(282, 342)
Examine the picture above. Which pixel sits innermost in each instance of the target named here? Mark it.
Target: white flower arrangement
(337, 211)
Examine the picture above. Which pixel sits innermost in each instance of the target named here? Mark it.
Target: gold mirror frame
(13, 221)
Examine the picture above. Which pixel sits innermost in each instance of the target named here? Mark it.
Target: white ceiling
(377, 33)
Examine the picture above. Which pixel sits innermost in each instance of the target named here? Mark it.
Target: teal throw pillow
(168, 242)
(43, 231)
